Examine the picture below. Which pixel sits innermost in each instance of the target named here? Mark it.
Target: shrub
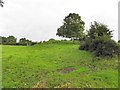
(107, 48)
(101, 47)
(85, 45)
(99, 41)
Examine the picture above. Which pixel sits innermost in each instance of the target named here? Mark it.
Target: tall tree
(25, 42)
(72, 27)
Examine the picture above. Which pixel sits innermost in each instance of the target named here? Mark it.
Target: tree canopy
(72, 27)
(25, 42)
(11, 40)
(99, 30)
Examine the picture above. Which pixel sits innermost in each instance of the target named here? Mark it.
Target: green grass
(41, 66)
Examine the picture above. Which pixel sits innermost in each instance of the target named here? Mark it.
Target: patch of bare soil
(66, 70)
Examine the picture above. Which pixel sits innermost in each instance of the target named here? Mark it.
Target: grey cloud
(39, 19)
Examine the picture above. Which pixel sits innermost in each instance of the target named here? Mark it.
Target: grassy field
(56, 65)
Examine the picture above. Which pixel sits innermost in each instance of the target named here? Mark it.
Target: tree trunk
(73, 41)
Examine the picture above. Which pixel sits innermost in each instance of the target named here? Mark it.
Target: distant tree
(28, 42)
(11, 40)
(4, 40)
(22, 41)
(25, 42)
(1, 3)
(72, 27)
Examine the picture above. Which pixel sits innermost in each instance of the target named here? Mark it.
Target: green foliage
(3, 40)
(99, 41)
(104, 47)
(99, 30)
(25, 42)
(72, 27)
(85, 45)
(11, 40)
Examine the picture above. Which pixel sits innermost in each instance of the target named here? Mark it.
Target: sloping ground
(56, 65)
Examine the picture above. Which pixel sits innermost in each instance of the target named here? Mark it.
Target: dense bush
(106, 48)
(99, 41)
(101, 47)
(85, 45)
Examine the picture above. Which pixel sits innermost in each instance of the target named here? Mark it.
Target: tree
(25, 42)
(4, 40)
(99, 41)
(11, 40)
(72, 27)
(1, 3)
(22, 41)
(99, 30)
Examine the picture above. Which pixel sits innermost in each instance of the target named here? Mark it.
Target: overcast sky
(39, 19)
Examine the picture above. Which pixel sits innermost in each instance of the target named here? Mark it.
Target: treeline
(12, 40)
